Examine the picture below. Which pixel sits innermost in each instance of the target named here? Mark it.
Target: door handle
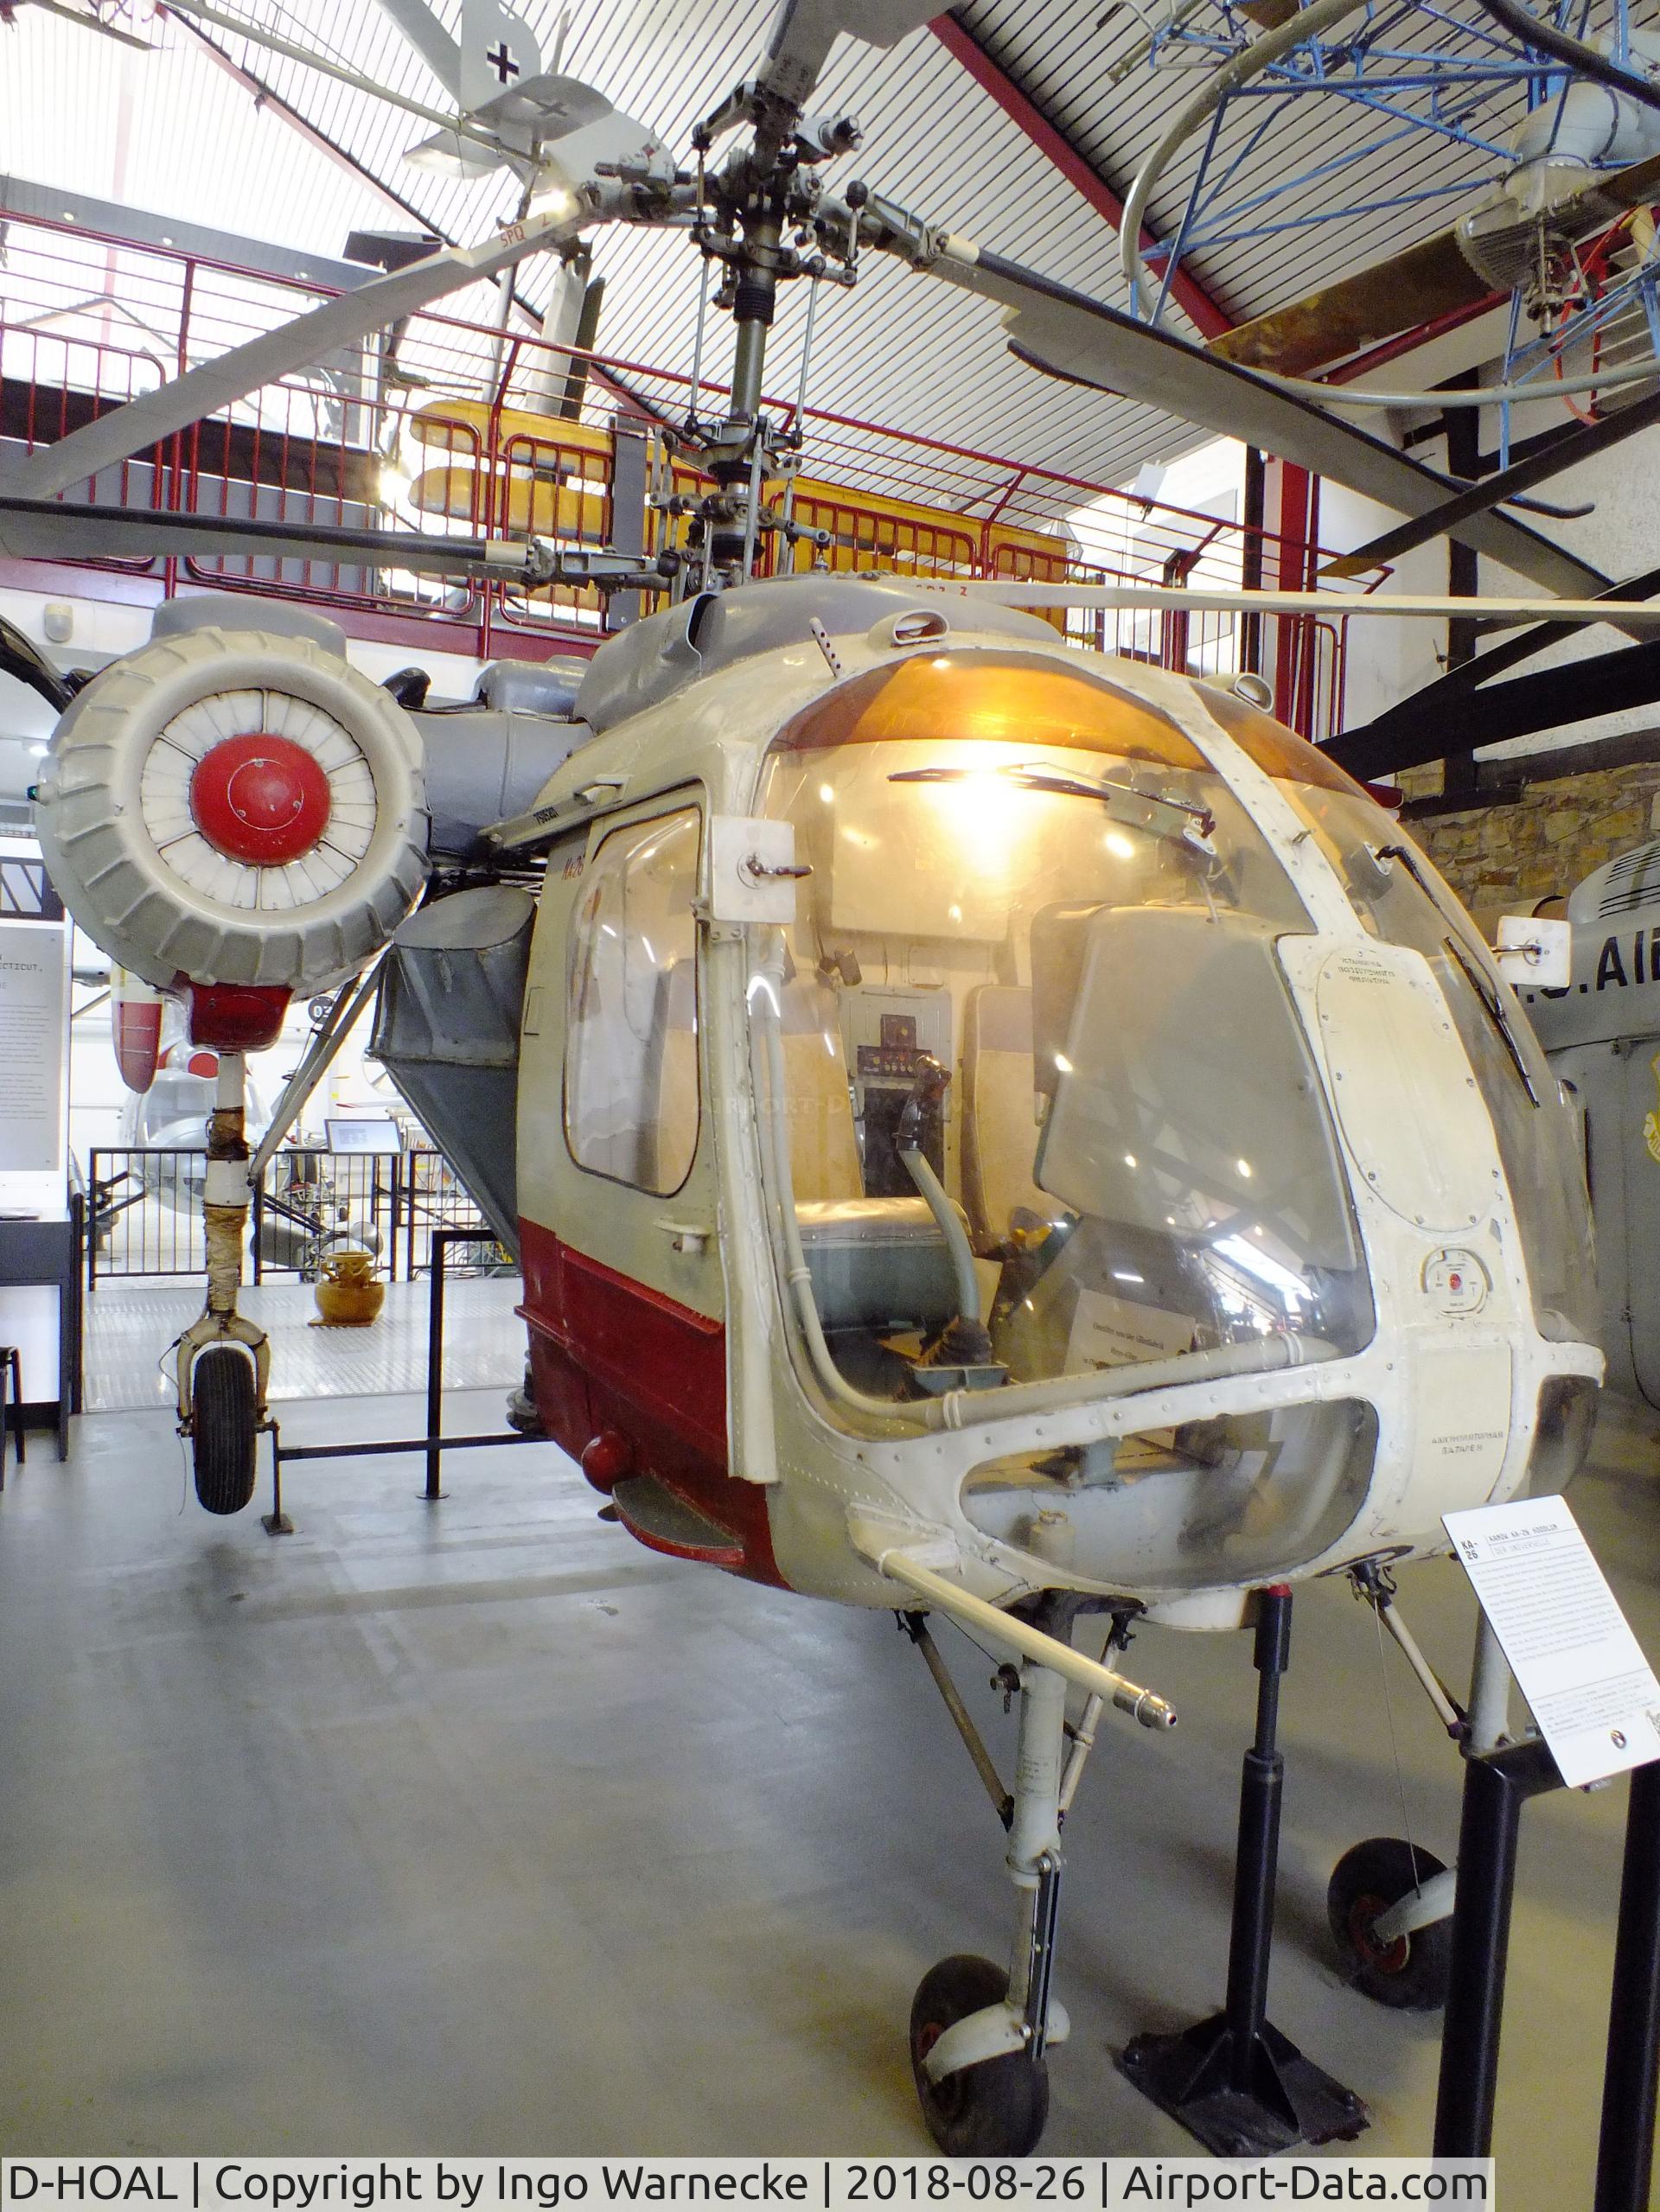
(690, 1237)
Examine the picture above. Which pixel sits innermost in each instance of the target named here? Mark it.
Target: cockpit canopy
(1038, 1056)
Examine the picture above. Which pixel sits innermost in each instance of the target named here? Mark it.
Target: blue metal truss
(1438, 69)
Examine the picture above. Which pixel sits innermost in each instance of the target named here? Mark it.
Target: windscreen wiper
(1187, 825)
(1493, 1007)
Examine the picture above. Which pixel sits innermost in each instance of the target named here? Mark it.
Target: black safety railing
(143, 1209)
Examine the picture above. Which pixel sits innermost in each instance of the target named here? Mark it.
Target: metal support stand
(276, 1522)
(1497, 1785)
(1234, 2081)
(434, 1443)
(1626, 2145)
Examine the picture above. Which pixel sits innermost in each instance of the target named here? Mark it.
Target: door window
(631, 1035)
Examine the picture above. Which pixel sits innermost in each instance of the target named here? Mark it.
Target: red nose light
(606, 1459)
(259, 799)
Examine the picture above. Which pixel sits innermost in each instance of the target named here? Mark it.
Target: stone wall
(1548, 841)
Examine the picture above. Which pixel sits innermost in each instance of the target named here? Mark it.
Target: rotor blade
(803, 32)
(35, 529)
(1568, 447)
(309, 58)
(1070, 335)
(93, 23)
(423, 30)
(1425, 283)
(1175, 599)
(127, 429)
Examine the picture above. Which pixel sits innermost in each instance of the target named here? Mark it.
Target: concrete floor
(130, 1320)
(478, 1828)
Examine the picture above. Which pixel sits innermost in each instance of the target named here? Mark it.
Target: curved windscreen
(1402, 898)
(1032, 881)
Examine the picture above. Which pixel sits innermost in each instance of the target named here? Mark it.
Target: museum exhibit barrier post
(1497, 1785)
(434, 1443)
(1235, 2080)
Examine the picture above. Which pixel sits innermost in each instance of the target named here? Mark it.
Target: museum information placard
(32, 1025)
(1569, 1645)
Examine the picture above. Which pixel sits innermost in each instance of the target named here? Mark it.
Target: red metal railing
(448, 428)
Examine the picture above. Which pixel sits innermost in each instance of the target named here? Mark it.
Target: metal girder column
(1207, 317)
(1290, 498)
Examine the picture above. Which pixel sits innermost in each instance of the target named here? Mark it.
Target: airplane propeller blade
(1072, 336)
(1419, 285)
(130, 428)
(1566, 448)
(1422, 285)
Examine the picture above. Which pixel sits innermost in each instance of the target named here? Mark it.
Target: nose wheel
(993, 2110)
(1391, 1959)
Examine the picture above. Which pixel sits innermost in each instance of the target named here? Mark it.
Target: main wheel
(1411, 1974)
(223, 1421)
(995, 2110)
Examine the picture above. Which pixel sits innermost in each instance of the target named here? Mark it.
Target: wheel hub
(1382, 1958)
(260, 799)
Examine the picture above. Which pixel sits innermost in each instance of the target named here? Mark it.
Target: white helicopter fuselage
(1130, 1459)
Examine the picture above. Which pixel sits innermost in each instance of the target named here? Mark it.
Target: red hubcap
(259, 799)
(1382, 1958)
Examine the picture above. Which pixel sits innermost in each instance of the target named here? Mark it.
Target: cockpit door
(623, 1274)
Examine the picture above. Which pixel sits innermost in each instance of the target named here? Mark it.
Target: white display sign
(32, 1036)
(1569, 1646)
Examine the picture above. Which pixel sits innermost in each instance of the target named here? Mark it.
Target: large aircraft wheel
(223, 1427)
(1411, 1974)
(995, 2110)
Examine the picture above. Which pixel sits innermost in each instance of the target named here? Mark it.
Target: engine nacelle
(235, 807)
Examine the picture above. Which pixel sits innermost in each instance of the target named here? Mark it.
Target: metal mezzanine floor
(476, 1828)
(130, 1323)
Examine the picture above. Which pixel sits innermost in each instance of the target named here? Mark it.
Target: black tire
(995, 2110)
(223, 1419)
(1410, 1974)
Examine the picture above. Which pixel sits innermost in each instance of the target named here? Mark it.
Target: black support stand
(1234, 2081)
(1496, 1786)
(434, 1443)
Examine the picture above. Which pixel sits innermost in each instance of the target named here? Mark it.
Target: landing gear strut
(979, 2038)
(223, 1360)
(1389, 1901)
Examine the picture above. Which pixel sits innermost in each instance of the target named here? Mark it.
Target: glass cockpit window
(1402, 898)
(631, 1034)
(1279, 752)
(1028, 878)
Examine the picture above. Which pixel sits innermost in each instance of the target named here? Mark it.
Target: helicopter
(988, 1128)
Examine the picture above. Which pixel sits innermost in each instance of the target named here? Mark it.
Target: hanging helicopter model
(988, 1127)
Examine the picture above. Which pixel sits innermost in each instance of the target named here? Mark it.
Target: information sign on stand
(32, 1027)
(1570, 1647)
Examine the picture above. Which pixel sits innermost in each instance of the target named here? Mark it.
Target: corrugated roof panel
(1065, 57)
(901, 349)
(172, 131)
